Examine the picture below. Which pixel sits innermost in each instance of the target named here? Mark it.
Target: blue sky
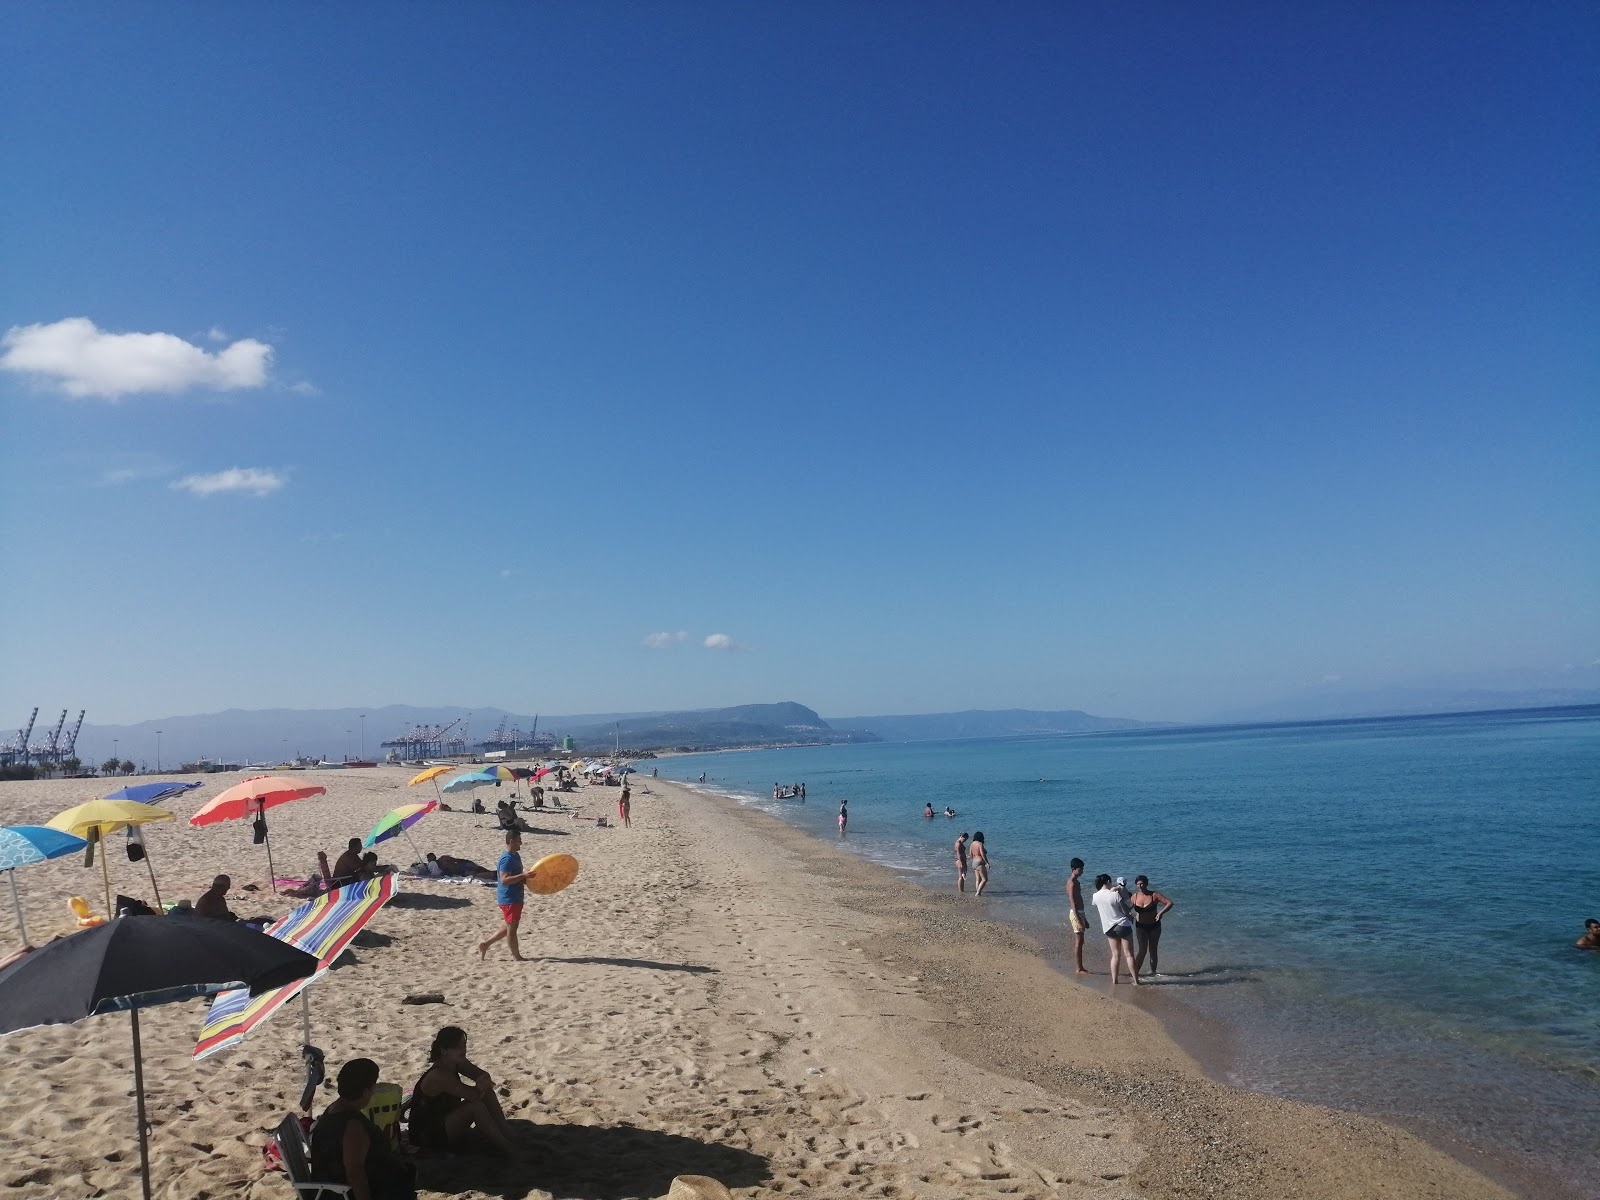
(1134, 358)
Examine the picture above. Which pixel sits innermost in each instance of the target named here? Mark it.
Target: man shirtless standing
(1076, 918)
(961, 862)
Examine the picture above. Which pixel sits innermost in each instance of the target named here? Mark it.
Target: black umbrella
(139, 962)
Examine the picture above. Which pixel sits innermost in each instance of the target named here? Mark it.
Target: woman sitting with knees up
(454, 1104)
(346, 1147)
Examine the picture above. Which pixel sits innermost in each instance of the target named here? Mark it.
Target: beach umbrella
(465, 783)
(149, 793)
(92, 821)
(431, 774)
(252, 798)
(24, 844)
(138, 962)
(541, 773)
(322, 928)
(398, 820)
(496, 771)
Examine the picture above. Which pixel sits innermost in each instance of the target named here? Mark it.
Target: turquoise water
(1380, 912)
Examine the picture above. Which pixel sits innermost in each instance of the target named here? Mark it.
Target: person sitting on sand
(346, 1147)
(348, 866)
(213, 901)
(454, 1103)
(1591, 936)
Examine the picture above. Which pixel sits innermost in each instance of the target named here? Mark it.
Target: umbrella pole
(16, 899)
(305, 1017)
(154, 887)
(421, 857)
(105, 871)
(138, 1091)
(272, 874)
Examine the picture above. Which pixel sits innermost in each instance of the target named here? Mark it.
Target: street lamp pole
(158, 752)
(363, 737)
(118, 768)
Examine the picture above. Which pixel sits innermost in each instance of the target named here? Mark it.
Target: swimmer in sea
(1591, 936)
(844, 814)
(948, 811)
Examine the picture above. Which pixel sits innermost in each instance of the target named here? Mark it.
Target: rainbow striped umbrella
(322, 929)
(398, 821)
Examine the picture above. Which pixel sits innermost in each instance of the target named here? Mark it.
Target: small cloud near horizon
(660, 641)
(723, 641)
(1329, 680)
(249, 481)
(79, 358)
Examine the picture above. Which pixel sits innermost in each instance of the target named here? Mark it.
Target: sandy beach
(718, 994)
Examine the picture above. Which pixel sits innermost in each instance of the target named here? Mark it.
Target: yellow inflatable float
(552, 873)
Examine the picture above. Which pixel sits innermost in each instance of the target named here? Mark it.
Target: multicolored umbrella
(24, 844)
(92, 821)
(252, 798)
(322, 928)
(398, 821)
(147, 793)
(473, 779)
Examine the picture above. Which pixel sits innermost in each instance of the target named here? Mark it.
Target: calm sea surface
(1378, 915)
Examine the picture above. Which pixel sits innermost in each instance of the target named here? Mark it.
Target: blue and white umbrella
(465, 783)
(149, 793)
(24, 844)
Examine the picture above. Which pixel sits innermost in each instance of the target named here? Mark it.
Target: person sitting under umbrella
(346, 1147)
(349, 865)
(454, 1103)
(213, 901)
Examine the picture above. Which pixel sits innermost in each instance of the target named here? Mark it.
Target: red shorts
(511, 912)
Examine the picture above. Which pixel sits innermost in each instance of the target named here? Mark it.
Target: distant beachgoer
(625, 807)
(978, 854)
(347, 1148)
(1148, 909)
(447, 1110)
(777, 792)
(213, 901)
(844, 814)
(927, 811)
(654, 772)
(1591, 936)
(348, 865)
(1116, 925)
(961, 862)
(948, 811)
(702, 776)
(509, 896)
(802, 791)
(1076, 917)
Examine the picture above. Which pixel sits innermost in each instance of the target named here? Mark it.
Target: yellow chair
(384, 1108)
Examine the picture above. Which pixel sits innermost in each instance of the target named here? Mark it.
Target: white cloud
(722, 641)
(252, 481)
(82, 359)
(216, 334)
(1330, 680)
(660, 641)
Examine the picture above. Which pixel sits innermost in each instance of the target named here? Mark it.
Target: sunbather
(454, 1103)
(346, 1147)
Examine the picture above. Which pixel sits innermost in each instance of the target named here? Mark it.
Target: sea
(1376, 914)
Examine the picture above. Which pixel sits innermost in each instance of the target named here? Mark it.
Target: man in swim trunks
(1591, 936)
(1075, 917)
(509, 896)
(961, 862)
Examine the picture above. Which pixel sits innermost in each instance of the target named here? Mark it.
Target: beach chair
(296, 1155)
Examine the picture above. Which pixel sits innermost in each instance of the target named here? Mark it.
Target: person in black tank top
(346, 1147)
(1148, 909)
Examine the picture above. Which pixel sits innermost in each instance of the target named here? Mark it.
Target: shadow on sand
(589, 1162)
(644, 963)
(427, 900)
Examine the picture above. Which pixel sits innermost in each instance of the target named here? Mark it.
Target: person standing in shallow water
(961, 862)
(1076, 918)
(978, 855)
(1148, 909)
(844, 814)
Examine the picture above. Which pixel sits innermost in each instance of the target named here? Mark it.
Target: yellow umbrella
(432, 773)
(93, 820)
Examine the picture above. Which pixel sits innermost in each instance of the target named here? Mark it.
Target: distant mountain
(273, 735)
(1327, 704)
(979, 723)
(785, 724)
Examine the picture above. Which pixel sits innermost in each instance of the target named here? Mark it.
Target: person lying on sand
(346, 1147)
(213, 901)
(1591, 936)
(460, 868)
(454, 1105)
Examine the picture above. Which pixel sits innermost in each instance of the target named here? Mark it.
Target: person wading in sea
(1148, 909)
(961, 862)
(1075, 917)
(980, 862)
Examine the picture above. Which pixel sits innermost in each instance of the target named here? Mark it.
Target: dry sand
(718, 994)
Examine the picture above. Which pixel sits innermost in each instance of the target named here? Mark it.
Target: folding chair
(296, 1153)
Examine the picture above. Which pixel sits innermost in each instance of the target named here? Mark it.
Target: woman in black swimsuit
(447, 1112)
(1148, 909)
